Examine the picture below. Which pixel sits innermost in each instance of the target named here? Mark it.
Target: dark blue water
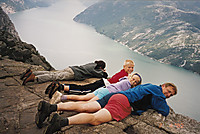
(64, 42)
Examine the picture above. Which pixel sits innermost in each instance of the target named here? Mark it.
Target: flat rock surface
(19, 104)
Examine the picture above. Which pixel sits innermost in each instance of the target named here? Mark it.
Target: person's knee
(96, 121)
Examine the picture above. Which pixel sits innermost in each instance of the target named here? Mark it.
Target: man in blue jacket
(114, 106)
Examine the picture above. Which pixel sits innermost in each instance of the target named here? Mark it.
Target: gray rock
(19, 104)
(12, 47)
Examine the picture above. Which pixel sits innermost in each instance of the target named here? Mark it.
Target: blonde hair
(128, 62)
(130, 76)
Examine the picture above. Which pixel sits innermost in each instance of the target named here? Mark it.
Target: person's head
(169, 89)
(100, 64)
(135, 79)
(128, 66)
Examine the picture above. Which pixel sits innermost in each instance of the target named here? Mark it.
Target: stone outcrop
(19, 104)
(12, 47)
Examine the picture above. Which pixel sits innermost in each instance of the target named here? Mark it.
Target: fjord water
(64, 42)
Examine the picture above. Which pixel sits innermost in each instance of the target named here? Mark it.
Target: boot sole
(41, 109)
(52, 121)
(37, 117)
(53, 90)
(25, 73)
(53, 118)
(25, 80)
(52, 85)
(37, 120)
(56, 98)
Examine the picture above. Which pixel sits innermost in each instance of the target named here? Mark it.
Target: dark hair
(100, 64)
(139, 83)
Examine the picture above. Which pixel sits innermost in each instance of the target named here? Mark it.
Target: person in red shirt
(128, 68)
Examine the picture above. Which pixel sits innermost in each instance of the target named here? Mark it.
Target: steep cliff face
(12, 47)
(7, 28)
(165, 31)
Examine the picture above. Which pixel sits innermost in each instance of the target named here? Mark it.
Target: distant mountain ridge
(165, 31)
(12, 6)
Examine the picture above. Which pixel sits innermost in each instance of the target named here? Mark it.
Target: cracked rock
(19, 104)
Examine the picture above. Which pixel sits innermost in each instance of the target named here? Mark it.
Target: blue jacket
(158, 99)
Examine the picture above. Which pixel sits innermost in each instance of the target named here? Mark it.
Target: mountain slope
(165, 31)
(12, 6)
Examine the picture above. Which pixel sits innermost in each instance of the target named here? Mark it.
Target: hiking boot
(25, 74)
(42, 114)
(56, 98)
(54, 124)
(29, 78)
(57, 87)
(49, 88)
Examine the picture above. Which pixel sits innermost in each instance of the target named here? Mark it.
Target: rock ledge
(19, 104)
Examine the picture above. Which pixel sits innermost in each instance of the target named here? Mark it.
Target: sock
(64, 122)
(63, 98)
(53, 107)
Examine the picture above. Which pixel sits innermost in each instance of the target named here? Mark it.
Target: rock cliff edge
(19, 104)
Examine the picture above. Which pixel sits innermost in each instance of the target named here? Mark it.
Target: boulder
(12, 47)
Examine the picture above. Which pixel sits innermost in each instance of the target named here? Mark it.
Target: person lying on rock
(125, 83)
(128, 68)
(82, 72)
(114, 106)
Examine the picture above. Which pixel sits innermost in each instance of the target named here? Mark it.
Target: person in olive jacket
(82, 72)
